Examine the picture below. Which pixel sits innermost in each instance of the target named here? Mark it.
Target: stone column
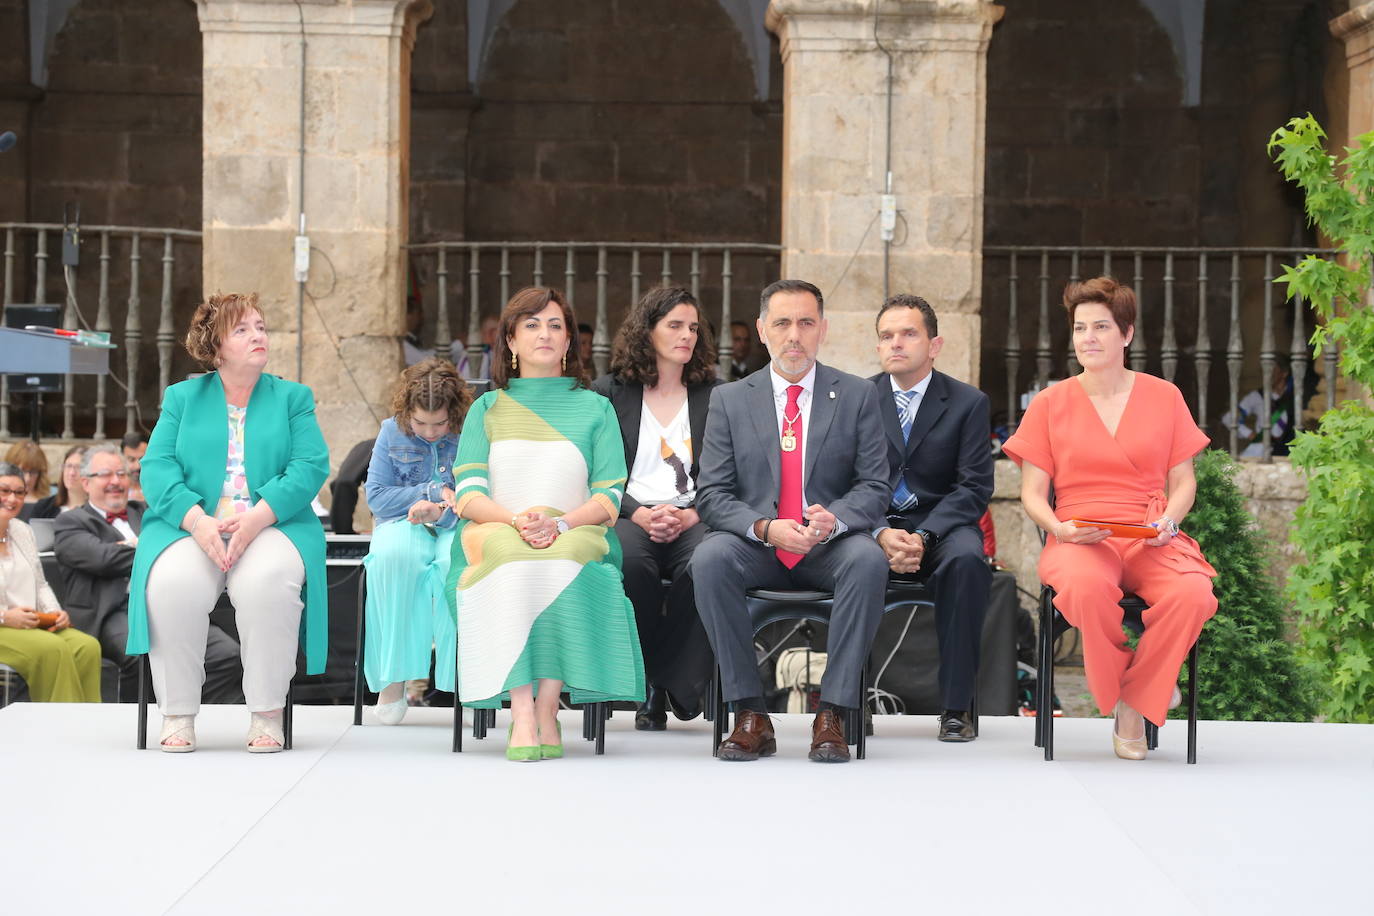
(835, 148)
(1356, 29)
(357, 130)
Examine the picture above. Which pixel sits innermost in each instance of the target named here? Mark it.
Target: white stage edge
(1274, 818)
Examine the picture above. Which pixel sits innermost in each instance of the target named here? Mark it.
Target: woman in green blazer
(232, 466)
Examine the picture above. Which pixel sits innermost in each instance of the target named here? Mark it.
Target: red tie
(790, 492)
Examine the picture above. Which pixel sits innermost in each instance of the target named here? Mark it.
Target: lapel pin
(832, 395)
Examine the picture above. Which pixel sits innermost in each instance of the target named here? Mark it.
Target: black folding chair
(906, 592)
(1052, 626)
(145, 677)
(768, 606)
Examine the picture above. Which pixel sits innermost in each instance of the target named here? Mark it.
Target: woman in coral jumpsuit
(1117, 445)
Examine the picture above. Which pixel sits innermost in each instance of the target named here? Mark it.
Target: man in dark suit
(94, 545)
(936, 430)
(743, 359)
(793, 480)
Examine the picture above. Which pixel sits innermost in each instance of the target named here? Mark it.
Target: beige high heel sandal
(263, 726)
(183, 727)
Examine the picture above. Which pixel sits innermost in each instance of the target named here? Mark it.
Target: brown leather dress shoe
(827, 738)
(752, 738)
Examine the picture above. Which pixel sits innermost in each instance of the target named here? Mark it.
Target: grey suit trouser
(853, 567)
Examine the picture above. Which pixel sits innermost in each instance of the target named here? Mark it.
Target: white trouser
(265, 588)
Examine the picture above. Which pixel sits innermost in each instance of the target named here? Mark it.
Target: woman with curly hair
(232, 465)
(535, 581)
(662, 373)
(410, 490)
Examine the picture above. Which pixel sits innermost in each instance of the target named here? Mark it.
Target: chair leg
(722, 714)
(856, 718)
(358, 685)
(458, 709)
(1192, 702)
(287, 715)
(601, 714)
(973, 710)
(144, 676)
(480, 722)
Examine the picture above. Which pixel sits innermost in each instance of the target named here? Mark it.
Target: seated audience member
(134, 446)
(584, 344)
(662, 373)
(343, 489)
(59, 663)
(797, 428)
(470, 367)
(94, 546)
(535, 583)
(941, 466)
(1282, 428)
(29, 458)
(70, 494)
(744, 359)
(410, 492)
(1118, 446)
(234, 463)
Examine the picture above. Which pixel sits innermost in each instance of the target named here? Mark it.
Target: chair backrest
(42, 532)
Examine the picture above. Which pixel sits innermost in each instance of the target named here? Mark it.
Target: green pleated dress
(524, 614)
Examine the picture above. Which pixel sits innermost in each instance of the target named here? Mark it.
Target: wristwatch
(1167, 524)
(561, 525)
(927, 536)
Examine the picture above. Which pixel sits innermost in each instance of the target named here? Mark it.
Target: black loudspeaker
(43, 316)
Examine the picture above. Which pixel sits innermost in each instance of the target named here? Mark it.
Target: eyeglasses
(105, 475)
(6, 492)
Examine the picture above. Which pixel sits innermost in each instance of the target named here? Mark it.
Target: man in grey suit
(793, 480)
(94, 545)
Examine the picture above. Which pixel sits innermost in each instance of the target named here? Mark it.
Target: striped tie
(902, 497)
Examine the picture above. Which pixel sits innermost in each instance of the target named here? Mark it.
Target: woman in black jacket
(662, 372)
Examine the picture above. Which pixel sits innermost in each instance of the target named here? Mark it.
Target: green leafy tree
(1333, 588)
(1246, 669)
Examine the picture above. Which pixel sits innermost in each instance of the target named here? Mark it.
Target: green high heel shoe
(526, 754)
(553, 751)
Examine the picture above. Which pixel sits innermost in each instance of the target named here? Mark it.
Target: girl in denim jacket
(410, 491)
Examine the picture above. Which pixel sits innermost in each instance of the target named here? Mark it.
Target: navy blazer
(947, 461)
(628, 400)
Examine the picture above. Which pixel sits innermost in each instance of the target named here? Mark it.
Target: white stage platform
(373, 820)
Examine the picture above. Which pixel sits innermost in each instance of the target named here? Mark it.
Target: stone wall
(1093, 139)
(628, 121)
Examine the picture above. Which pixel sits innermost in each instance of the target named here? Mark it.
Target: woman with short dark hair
(662, 373)
(1117, 446)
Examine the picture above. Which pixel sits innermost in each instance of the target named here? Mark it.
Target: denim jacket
(402, 472)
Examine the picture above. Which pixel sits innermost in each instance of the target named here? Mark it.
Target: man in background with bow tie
(940, 459)
(94, 545)
(793, 481)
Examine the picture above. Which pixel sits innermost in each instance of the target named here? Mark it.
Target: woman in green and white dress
(535, 580)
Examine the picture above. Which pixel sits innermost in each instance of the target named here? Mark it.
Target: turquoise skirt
(407, 611)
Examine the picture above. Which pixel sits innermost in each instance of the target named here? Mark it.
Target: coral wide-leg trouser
(1089, 579)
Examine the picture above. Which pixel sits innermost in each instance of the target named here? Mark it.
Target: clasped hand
(664, 524)
(536, 528)
(905, 549)
(794, 537)
(26, 618)
(209, 534)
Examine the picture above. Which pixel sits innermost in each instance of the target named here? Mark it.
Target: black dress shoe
(683, 711)
(650, 717)
(956, 725)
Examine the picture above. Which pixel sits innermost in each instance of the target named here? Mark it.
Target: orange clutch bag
(1118, 529)
(46, 620)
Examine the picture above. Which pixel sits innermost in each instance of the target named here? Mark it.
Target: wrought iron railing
(130, 261)
(1198, 309)
(459, 283)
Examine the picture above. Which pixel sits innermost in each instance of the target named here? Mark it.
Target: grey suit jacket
(95, 567)
(846, 455)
